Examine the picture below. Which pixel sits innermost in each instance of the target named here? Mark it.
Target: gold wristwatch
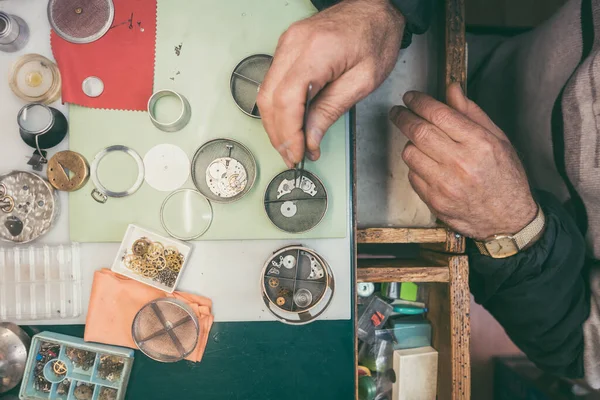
(503, 246)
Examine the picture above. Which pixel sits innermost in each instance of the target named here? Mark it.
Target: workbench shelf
(442, 270)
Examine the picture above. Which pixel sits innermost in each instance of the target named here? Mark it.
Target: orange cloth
(115, 300)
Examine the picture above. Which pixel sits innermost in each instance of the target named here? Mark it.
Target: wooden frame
(441, 265)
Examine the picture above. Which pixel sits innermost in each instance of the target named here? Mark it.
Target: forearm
(539, 296)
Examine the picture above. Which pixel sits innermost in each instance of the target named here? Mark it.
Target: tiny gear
(289, 262)
(273, 282)
(226, 177)
(289, 209)
(280, 301)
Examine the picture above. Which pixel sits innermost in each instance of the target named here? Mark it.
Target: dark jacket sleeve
(417, 13)
(540, 295)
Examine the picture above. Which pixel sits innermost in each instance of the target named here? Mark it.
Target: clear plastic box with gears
(61, 367)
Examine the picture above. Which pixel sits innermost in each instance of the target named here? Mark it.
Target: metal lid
(245, 82)
(78, 21)
(35, 79)
(224, 170)
(296, 204)
(166, 330)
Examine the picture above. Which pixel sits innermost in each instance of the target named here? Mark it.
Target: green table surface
(251, 360)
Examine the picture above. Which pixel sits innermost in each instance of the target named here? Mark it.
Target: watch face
(502, 247)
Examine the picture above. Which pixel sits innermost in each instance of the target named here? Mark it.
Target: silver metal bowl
(14, 344)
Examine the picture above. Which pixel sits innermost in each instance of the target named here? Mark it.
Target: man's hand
(345, 52)
(463, 166)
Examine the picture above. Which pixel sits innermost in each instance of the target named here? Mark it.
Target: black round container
(50, 126)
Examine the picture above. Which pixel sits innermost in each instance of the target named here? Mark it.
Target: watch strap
(482, 249)
(522, 238)
(531, 231)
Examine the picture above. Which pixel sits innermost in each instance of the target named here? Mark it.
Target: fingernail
(315, 135)
(395, 112)
(408, 96)
(313, 155)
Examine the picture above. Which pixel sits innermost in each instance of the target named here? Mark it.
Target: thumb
(330, 104)
(461, 103)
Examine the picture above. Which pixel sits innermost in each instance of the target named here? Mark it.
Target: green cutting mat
(214, 36)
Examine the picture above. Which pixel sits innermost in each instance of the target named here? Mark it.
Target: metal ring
(180, 122)
(100, 188)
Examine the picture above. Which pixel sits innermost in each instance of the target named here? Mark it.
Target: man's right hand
(345, 52)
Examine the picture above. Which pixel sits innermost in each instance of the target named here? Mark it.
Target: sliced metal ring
(101, 193)
(180, 122)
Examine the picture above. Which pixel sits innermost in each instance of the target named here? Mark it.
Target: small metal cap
(178, 123)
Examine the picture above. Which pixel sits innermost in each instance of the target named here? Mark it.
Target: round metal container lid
(78, 21)
(166, 330)
(245, 82)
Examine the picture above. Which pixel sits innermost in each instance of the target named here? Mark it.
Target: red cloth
(123, 59)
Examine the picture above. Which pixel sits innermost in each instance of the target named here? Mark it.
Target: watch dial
(502, 247)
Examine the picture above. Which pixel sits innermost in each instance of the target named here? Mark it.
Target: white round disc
(167, 167)
(289, 209)
(226, 177)
(289, 262)
(92, 86)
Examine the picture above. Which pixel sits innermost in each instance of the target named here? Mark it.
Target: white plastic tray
(134, 233)
(40, 283)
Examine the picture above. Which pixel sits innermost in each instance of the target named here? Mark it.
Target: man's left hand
(463, 166)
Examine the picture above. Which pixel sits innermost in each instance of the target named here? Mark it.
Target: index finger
(453, 123)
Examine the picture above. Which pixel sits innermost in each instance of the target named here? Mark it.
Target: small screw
(78, 10)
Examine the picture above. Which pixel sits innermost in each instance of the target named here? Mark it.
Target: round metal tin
(288, 300)
(166, 330)
(79, 21)
(245, 82)
(35, 207)
(178, 123)
(296, 209)
(68, 171)
(101, 193)
(223, 149)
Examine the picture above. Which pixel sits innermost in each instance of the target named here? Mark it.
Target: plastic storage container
(40, 283)
(63, 367)
(135, 234)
